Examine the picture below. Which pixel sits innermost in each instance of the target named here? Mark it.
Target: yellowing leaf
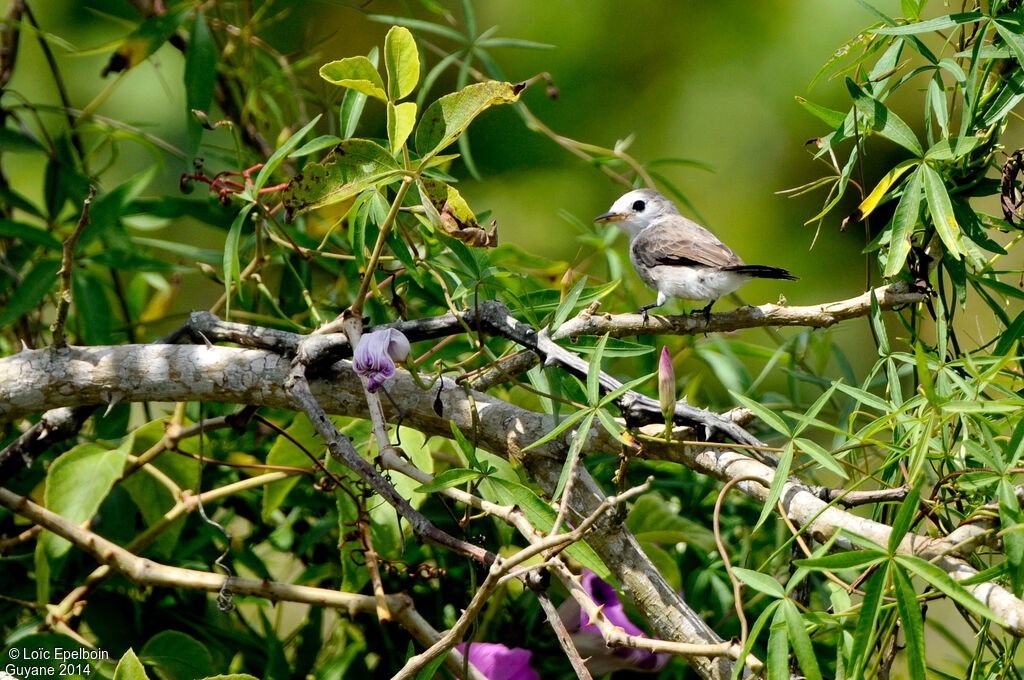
(355, 73)
(402, 61)
(868, 205)
(401, 119)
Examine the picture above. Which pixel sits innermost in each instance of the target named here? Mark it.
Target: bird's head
(637, 210)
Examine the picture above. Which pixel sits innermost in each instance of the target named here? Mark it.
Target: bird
(677, 257)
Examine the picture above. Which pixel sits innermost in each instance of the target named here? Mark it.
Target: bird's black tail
(761, 271)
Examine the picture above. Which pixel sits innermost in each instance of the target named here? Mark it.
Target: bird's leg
(706, 311)
(662, 298)
(643, 310)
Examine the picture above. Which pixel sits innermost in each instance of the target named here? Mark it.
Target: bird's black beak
(609, 217)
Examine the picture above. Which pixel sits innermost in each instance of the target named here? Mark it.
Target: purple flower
(498, 662)
(376, 354)
(589, 641)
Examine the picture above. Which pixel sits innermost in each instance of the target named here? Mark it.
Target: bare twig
(564, 639)
(66, 268)
(737, 586)
(341, 448)
(498, 569)
(145, 572)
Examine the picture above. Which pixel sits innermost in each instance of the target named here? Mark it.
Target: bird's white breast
(690, 283)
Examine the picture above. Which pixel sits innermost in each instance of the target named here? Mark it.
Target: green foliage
(310, 192)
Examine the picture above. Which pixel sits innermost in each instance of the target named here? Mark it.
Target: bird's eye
(639, 206)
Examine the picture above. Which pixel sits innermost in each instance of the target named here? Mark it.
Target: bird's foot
(706, 311)
(643, 310)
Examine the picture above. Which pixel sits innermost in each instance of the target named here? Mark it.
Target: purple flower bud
(666, 386)
(498, 662)
(589, 641)
(376, 354)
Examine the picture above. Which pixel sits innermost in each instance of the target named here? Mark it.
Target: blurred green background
(711, 82)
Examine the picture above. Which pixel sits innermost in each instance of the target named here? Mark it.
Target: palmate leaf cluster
(357, 196)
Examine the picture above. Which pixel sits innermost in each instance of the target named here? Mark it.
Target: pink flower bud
(666, 386)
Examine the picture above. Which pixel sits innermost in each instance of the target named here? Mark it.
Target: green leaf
(834, 119)
(760, 582)
(147, 38)
(843, 560)
(402, 61)
(944, 583)
(446, 119)
(904, 519)
(429, 671)
(940, 24)
(316, 144)
(29, 234)
(571, 461)
(449, 478)
(30, 292)
(130, 668)
(1013, 333)
(401, 119)
(866, 627)
(568, 304)
(777, 663)
(942, 211)
(232, 266)
(822, 457)
(1010, 31)
(421, 25)
(149, 494)
(1010, 519)
(16, 141)
(800, 641)
(913, 624)
(883, 120)
(76, 484)
(467, 448)
(904, 219)
(542, 516)
(177, 656)
(1009, 96)
(778, 481)
(355, 73)
(936, 103)
(200, 77)
(287, 452)
(352, 167)
(594, 371)
(278, 156)
(768, 417)
(952, 149)
(864, 397)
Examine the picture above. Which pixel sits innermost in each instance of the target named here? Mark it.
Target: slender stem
(66, 267)
(385, 229)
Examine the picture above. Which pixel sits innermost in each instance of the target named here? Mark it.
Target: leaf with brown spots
(449, 116)
(351, 167)
(449, 212)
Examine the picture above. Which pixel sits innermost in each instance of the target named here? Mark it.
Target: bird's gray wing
(677, 241)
